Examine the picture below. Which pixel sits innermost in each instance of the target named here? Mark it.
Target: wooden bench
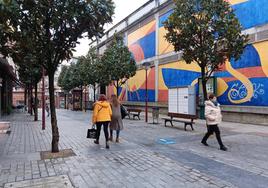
(184, 118)
(134, 112)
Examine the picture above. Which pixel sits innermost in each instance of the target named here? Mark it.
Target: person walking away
(213, 118)
(47, 109)
(116, 123)
(102, 116)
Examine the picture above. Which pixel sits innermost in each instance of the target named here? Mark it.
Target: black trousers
(213, 129)
(105, 129)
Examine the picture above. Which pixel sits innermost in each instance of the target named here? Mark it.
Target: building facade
(8, 80)
(242, 86)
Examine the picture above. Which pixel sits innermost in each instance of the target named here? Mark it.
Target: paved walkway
(140, 160)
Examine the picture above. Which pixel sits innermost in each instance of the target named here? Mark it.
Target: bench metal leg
(185, 126)
(168, 121)
(192, 127)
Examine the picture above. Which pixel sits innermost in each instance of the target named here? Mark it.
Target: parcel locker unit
(182, 100)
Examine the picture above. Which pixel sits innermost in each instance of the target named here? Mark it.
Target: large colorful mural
(163, 45)
(245, 81)
(251, 13)
(142, 42)
(176, 74)
(242, 82)
(136, 86)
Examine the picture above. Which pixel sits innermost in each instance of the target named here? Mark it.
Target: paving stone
(138, 161)
(55, 182)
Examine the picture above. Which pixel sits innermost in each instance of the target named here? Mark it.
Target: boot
(107, 145)
(96, 141)
(111, 138)
(204, 143)
(223, 148)
(117, 140)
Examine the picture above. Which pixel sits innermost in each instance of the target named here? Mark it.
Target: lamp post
(146, 65)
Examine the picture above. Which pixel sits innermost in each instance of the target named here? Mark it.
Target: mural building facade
(243, 82)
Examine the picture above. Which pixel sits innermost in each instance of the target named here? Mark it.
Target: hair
(211, 96)
(114, 100)
(102, 97)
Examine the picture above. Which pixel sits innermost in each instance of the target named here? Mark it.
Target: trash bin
(155, 115)
(202, 111)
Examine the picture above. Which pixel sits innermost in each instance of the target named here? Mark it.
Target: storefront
(7, 81)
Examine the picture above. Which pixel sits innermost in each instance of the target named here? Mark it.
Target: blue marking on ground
(166, 141)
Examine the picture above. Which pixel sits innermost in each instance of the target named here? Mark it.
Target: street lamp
(146, 65)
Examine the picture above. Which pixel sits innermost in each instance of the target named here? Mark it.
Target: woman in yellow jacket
(102, 114)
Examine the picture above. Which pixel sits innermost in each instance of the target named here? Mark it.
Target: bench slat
(185, 116)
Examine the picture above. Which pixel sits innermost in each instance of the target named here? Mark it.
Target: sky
(122, 9)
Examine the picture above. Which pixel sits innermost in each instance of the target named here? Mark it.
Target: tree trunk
(204, 83)
(25, 97)
(30, 110)
(85, 98)
(67, 101)
(35, 104)
(31, 98)
(28, 99)
(65, 105)
(54, 126)
(73, 99)
(94, 94)
(81, 98)
(117, 88)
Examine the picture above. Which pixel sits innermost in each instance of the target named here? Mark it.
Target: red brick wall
(18, 98)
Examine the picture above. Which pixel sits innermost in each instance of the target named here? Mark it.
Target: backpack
(124, 112)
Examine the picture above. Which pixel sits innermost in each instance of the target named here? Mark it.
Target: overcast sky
(122, 9)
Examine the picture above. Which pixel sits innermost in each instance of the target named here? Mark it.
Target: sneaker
(96, 141)
(204, 143)
(223, 148)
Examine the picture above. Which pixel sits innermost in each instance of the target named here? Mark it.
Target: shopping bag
(92, 133)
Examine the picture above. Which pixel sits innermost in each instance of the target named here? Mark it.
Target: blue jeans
(117, 133)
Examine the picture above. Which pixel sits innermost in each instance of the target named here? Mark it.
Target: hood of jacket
(103, 104)
(210, 103)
